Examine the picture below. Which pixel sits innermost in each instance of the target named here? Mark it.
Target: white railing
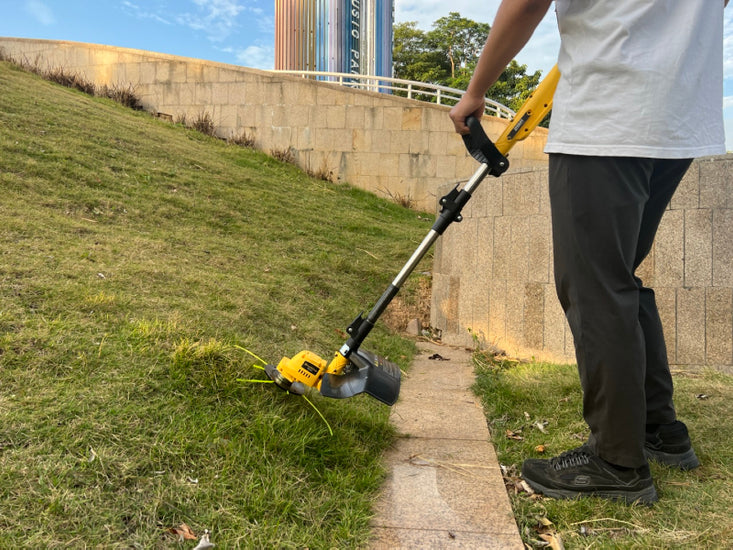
(412, 90)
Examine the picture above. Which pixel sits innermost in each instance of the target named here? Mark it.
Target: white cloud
(266, 24)
(142, 13)
(257, 57)
(40, 12)
(217, 18)
(220, 8)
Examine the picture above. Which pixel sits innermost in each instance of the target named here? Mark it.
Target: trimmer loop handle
(483, 149)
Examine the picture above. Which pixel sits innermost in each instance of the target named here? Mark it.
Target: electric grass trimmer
(352, 370)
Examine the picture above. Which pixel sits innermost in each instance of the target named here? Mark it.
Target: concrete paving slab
(451, 416)
(444, 487)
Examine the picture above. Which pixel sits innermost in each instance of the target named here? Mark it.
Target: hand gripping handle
(482, 148)
(532, 112)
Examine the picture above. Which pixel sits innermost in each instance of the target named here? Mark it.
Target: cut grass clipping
(535, 411)
(137, 259)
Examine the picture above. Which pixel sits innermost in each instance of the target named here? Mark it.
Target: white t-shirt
(640, 78)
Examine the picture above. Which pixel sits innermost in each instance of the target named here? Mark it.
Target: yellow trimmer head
(353, 371)
(362, 372)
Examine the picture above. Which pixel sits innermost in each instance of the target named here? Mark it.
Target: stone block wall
(382, 143)
(493, 277)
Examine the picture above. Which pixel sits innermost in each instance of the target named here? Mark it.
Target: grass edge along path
(534, 410)
(136, 259)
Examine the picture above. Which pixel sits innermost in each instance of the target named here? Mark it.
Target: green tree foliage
(514, 85)
(459, 40)
(414, 57)
(447, 55)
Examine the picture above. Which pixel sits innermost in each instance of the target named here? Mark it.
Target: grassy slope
(134, 257)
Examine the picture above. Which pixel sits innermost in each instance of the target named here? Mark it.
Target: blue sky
(241, 32)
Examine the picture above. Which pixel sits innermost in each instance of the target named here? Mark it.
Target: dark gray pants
(605, 213)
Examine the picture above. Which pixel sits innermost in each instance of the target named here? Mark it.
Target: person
(639, 96)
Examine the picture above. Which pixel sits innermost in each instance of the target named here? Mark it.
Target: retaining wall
(493, 272)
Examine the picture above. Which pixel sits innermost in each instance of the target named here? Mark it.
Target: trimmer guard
(371, 374)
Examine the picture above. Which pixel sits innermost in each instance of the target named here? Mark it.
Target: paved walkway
(444, 488)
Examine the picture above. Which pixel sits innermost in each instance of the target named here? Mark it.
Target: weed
(283, 155)
(124, 95)
(244, 139)
(404, 200)
(322, 173)
(204, 123)
(70, 80)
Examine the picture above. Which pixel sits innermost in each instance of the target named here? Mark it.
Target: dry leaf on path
(526, 487)
(513, 435)
(554, 540)
(547, 533)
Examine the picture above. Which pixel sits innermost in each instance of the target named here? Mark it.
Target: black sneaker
(670, 444)
(581, 473)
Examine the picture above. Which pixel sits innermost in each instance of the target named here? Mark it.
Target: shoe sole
(684, 461)
(646, 496)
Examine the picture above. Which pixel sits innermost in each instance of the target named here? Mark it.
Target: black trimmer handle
(483, 149)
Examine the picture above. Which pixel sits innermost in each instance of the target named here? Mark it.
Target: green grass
(136, 257)
(694, 507)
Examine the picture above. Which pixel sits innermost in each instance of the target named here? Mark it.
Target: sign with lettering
(355, 37)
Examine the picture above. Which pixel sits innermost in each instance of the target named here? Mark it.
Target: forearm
(513, 26)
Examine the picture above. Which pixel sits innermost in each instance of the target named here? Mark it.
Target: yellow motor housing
(306, 367)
